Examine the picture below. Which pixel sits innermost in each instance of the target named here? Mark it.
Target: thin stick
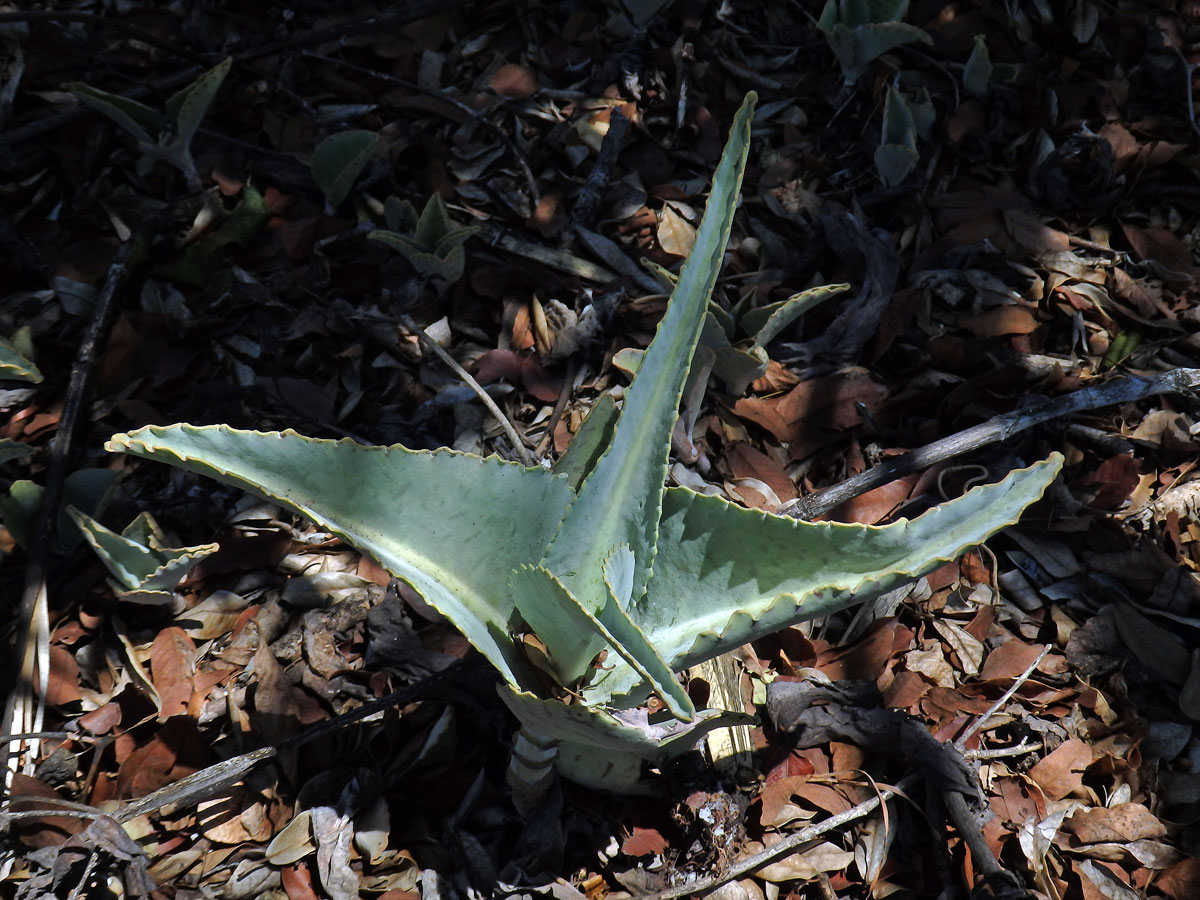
(518, 445)
(999, 704)
(584, 213)
(1000, 752)
(34, 627)
(560, 406)
(793, 843)
(998, 428)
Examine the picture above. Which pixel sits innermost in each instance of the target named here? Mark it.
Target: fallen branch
(511, 432)
(793, 843)
(998, 428)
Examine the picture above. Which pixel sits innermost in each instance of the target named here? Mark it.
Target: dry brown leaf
(1008, 661)
(676, 235)
(172, 664)
(1061, 773)
(514, 81)
(745, 461)
(1163, 246)
(1000, 321)
(63, 684)
(876, 504)
(825, 857)
(1181, 881)
(1123, 822)
(814, 412)
(644, 842)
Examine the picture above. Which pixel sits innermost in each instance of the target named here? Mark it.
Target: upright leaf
(338, 160)
(620, 502)
(188, 106)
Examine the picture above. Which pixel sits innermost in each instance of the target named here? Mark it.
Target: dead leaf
(514, 81)
(1000, 321)
(676, 235)
(1061, 773)
(644, 842)
(1123, 822)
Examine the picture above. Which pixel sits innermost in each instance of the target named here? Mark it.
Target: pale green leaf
(898, 124)
(10, 450)
(895, 162)
(739, 366)
(656, 737)
(589, 442)
(451, 524)
(453, 239)
(338, 160)
(435, 222)
(634, 468)
(399, 215)
(725, 575)
(143, 573)
(573, 636)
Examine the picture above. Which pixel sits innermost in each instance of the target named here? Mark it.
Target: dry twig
(998, 428)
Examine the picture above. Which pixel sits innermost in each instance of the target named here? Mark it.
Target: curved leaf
(188, 106)
(138, 119)
(570, 632)
(451, 524)
(619, 502)
(16, 364)
(338, 160)
(725, 575)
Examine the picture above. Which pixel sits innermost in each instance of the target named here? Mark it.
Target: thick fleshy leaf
(15, 361)
(631, 730)
(451, 524)
(559, 620)
(725, 575)
(145, 571)
(620, 501)
(589, 442)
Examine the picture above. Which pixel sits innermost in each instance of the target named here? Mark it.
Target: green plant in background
(589, 586)
(739, 337)
(432, 242)
(143, 568)
(905, 120)
(161, 134)
(16, 357)
(860, 31)
(198, 259)
(734, 342)
(337, 162)
(86, 489)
